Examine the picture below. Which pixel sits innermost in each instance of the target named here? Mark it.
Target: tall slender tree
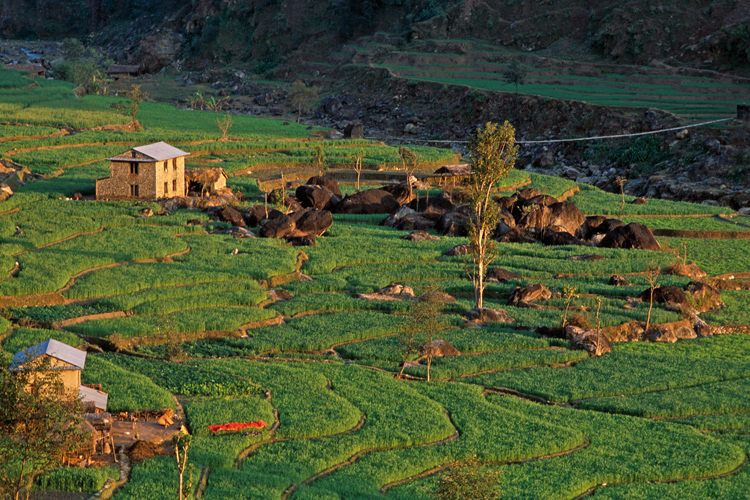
(493, 154)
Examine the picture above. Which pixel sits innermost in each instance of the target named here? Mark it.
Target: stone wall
(155, 180)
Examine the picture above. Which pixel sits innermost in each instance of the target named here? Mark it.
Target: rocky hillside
(263, 34)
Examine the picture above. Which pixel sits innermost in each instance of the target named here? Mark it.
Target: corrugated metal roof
(89, 395)
(53, 348)
(159, 151)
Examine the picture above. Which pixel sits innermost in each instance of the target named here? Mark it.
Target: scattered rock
(634, 235)
(316, 196)
(529, 294)
(618, 281)
(665, 295)
(592, 341)
(661, 335)
(397, 289)
(232, 216)
(330, 184)
(463, 249)
(420, 236)
(370, 201)
(502, 275)
(486, 315)
(439, 348)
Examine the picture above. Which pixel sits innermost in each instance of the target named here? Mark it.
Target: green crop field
(229, 330)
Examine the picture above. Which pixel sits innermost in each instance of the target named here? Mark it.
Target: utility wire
(595, 138)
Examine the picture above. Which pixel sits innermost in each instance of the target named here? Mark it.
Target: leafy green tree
(301, 96)
(515, 74)
(423, 323)
(493, 154)
(320, 159)
(39, 426)
(134, 97)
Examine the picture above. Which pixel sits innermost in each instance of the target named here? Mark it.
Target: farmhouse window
(134, 190)
(174, 185)
(174, 164)
(166, 166)
(134, 168)
(166, 188)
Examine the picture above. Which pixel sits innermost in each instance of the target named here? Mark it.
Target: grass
(611, 375)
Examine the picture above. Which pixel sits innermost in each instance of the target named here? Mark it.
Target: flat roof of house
(159, 151)
(89, 395)
(55, 349)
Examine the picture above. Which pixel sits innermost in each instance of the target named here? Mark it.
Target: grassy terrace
(205, 330)
(694, 98)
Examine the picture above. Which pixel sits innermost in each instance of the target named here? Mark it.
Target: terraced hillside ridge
(178, 313)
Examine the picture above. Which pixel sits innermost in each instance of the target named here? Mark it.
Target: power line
(595, 138)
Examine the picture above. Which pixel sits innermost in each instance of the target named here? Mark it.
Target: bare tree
(134, 97)
(358, 164)
(493, 154)
(181, 442)
(410, 161)
(320, 159)
(621, 182)
(224, 125)
(651, 274)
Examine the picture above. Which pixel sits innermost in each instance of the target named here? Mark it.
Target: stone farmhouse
(52, 355)
(148, 172)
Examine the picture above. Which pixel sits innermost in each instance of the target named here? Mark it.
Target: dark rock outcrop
(529, 293)
(370, 201)
(634, 235)
(315, 196)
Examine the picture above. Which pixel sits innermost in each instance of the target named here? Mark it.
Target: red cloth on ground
(237, 426)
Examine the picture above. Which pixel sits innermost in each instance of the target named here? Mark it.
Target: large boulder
(257, 213)
(401, 192)
(232, 216)
(634, 235)
(618, 281)
(315, 196)
(330, 184)
(462, 249)
(665, 295)
(440, 203)
(312, 222)
(557, 235)
(370, 201)
(307, 222)
(592, 341)
(598, 224)
(406, 219)
(502, 275)
(438, 349)
(568, 216)
(280, 227)
(529, 293)
(454, 223)
(517, 235)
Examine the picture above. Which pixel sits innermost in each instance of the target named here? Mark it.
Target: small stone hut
(205, 180)
(150, 172)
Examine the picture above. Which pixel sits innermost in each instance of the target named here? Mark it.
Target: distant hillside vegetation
(710, 34)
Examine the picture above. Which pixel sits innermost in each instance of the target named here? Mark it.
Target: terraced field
(694, 98)
(185, 312)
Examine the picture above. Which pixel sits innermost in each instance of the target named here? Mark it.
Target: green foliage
(611, 375)
(23, 338)
(468, 480)
(645, 152)
(128, 391)
(187, 378)
(58, 313)
(76, 478)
